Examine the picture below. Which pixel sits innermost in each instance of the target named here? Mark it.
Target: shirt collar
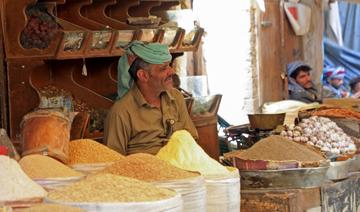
(140, 100)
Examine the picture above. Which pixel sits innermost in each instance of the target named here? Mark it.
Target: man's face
(357, 87)
(160, 76)
(336, 82)
(304, 79)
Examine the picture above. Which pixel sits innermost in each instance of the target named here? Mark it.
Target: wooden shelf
(13, 27)
(92, 31)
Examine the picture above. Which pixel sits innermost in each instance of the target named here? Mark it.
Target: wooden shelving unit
(79, 53)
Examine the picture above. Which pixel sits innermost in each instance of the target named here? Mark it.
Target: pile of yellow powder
(183, 152)
(87, 151)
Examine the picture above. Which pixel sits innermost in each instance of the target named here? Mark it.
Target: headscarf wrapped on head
(334, 73)
(291, 68)
(153, 53)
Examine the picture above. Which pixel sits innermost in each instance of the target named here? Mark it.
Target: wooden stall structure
(67, 51)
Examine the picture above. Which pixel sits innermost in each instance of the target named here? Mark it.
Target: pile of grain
(110, 188)
(40, 167)
(148, 168)
(15, 184)
(87, 151)
(50, 207)
(278, 148)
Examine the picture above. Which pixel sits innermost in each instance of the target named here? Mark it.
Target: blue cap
(293, 66)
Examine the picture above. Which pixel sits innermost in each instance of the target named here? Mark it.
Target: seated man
(355, 87)
(333, 86)
(150, 109)
(301, 87)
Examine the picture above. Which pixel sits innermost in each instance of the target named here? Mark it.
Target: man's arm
(188, 123)
(116, 134)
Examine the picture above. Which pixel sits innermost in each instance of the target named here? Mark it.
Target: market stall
(300, 165)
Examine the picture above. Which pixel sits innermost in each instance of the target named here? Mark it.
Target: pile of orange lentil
(148, 168)
(337, 113)
(87, 151)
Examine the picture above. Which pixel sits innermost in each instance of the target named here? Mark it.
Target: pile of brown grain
(40, 167)
(50, 207)
(148, 168)
(278, 148)
(87, 151)
(110, 188)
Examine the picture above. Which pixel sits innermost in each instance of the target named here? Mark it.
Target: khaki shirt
(133, 125)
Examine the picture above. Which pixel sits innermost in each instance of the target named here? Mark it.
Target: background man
(333, 85)
(355, 87)
(150, 109)
(300, 85)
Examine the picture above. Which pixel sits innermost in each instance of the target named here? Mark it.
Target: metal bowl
(355, 164)
(266, 121)
(338, 170)
(286, 178)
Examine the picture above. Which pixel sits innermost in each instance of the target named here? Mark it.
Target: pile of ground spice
(40, 167)
(148, 168)
(87, 151)
(50, 207)
(278, 148)
(15, 184)
(337, 113)
(110, 188)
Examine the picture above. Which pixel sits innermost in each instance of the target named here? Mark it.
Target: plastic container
(223, 192)
(192, 190)
(338, 170)
(173, 204)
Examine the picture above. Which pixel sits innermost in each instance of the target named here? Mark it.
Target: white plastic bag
(223, 192)
(173, 204)
(192, 190)
(53, 183)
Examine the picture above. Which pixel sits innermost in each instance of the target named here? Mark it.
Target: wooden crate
(284, 200)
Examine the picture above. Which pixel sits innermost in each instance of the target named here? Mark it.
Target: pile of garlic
(322, 133)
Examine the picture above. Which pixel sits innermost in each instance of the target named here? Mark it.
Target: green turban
(153, 53)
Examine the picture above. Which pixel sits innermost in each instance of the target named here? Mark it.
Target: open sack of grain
(183, 152)
(223, 191)
(17, 189)
(48, 172)
(160, 173)
(44, 207)
(89, 156)
(110, 193)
